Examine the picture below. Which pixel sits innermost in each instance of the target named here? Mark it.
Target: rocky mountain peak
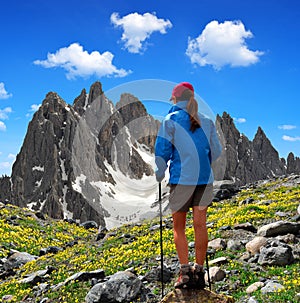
(227, 126)
(293, 164)
(80, 102)
(53, 101)
(248, 161)
(74, 158)
(267, 154)
(260, 136)
(134, 114)
(84, 100)
(70, 153)
(95, 91)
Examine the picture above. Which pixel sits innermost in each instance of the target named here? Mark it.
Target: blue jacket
(190, 153)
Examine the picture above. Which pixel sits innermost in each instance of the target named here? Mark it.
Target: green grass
(113, 254)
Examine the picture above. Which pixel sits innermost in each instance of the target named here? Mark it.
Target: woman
(190, 142)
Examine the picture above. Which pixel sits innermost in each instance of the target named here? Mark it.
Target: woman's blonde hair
(192, 108)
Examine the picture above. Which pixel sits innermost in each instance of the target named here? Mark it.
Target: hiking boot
(185, 275)
(198, 275)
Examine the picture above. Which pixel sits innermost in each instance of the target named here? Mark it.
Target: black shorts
(183, 197)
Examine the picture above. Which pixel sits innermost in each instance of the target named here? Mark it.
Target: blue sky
(241, 56)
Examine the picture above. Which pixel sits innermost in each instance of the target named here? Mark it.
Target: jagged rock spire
(67, 150)
(248, 161)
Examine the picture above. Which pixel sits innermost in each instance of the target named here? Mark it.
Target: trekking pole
(161, 242)
(208, 276)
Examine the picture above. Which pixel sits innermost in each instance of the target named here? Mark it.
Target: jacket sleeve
(215, 145)
(163, 147)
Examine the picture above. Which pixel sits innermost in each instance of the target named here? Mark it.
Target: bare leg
(201, 236)
(179, 221)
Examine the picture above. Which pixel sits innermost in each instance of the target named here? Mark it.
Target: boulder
(276, 253)
(254, 287)
(195, 296)
(271, 286)
(279, 228)
(121, 287)
(254, 245)
(215, 274)
(217, 244)
(18, 259)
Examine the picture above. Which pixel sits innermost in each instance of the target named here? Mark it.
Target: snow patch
(131, 200)
(146, 154)
(80, 180)
(31, 205)
(38, 183)
(64, 176)
(86, 102)
(67, 213)
(38, 168)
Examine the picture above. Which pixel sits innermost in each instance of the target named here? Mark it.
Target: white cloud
(287, 127)
(4, 112)
(11, 156)
(33, 108)
(4, 165)
(2, 126)
(239, 120)
(291, 139)
(222, 44)
(79, 63)
(3, 93)
(137, 28)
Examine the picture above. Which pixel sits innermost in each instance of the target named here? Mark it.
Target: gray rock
(254, 287)
(215, 274)
(252, 300)
(271, 287)
(155, 275)
(288, 238)
(267, 156)
(245, 226)
(86, 276)
(279, 228)
(121, 287)
(5, 189)
(255, 244)
(218, 261)
(50, 250)
(217, 244)
(224, 189)
(18, 259)
(276, 253)
(282, 214)
(89, 224)
(293, 164)
(235, 245)
(37, 277)
(248, 161)
(7, 298)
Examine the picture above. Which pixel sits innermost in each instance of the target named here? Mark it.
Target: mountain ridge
(80, 161)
